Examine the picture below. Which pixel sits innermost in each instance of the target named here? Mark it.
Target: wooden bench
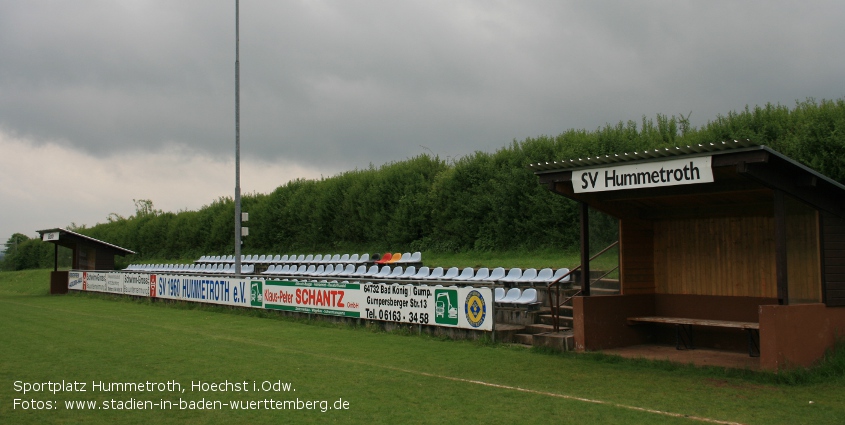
(684, 335)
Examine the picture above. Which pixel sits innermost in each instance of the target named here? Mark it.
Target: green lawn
(385, 377)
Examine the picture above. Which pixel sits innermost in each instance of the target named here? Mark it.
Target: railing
(554, 294)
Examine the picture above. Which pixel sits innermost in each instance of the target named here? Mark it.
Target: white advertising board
(329, 298)
(643, 175)
(467, 308)
(203, 289)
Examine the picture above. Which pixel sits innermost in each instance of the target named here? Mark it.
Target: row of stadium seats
(513, 276)
(387, 258)
(190, 268)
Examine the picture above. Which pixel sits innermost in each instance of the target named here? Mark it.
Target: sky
(107, 102)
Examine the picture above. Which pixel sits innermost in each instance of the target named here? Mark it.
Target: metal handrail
(555, 296)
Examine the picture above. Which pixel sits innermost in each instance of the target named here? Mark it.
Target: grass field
(392, 378)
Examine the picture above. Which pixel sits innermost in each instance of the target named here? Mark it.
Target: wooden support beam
(585, 248)
(780, 248)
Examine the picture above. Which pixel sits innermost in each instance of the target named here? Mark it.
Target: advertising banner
(74, 281)
(137, 284)
(468, 308)
(95, 281)
(329, 298)
(204, 289)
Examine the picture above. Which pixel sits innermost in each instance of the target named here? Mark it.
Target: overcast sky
(103, 102)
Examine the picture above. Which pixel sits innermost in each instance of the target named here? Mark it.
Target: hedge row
(483, 201)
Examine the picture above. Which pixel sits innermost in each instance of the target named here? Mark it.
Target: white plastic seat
(248, 269)
(497, 274)
(309, 258)
(416, 257)
(543, 276)
(335, 258)
(353, 259)
(437, 273)
(406, 258)
(270, 270)
(498, 294)
(320, 270)
(481, 274)
(466, 274)
(451, 274)
(529, 296)
(422, 273)
(385, 270)
(344, 258)
(372, 271)
(559, 273)
(396, 272)
(300, 258)
(282, 259)
(528, 275)
(360, 271)
(338, 268)
(364, 258)
(276, 259)
(512, 295)
(318, 259)
(513, 275)
(410, 271)
(344, 269)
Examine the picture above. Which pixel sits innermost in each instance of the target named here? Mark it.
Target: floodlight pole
(237, 142)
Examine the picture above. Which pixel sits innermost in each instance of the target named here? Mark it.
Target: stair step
(548, 319)
(526, 339)
(539, 328)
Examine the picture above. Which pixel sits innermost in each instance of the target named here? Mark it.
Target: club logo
(475, 309)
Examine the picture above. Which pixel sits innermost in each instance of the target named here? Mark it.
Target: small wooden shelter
(88, 254)
(727, 238)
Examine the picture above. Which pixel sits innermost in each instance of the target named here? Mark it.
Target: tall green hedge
(482, 201)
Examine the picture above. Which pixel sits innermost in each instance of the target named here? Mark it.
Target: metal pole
(237, 142)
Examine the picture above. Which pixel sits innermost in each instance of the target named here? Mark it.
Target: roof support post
(55, 257)
(780, 247)
(585, 248)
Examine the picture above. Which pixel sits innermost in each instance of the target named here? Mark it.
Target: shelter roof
(70, 239)
(744, 176)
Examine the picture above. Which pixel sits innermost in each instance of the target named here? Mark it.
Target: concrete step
(525, 339)
(561, 341)
(547, 319)
(506, 332)
(538, 328)
(564, 310)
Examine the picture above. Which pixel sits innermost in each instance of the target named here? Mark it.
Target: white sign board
(643, 175)
(51, 236)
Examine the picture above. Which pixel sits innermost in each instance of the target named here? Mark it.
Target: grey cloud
(347, 83)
